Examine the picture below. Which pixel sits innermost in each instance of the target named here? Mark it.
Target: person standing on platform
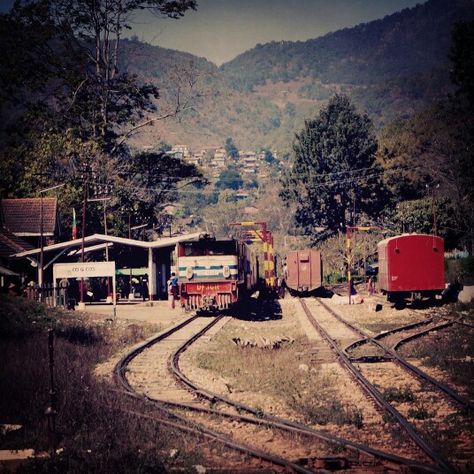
(63, 292)
(172, 290)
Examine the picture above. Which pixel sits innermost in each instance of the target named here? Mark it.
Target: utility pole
(350, 232)
(51, 411)
(41, 265)
(84, 205)
(85, 178)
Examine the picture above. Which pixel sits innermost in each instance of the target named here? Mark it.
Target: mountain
(403, 44)
(390, 68)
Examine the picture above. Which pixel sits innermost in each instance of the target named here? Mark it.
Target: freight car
(411, 266)
(214, 274)
(303, 271)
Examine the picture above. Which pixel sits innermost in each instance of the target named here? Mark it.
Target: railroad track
(189, 405)
(334, 329)
(388, 342)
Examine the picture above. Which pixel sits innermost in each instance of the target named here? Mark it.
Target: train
(216, 274)
(303, 271)
(411, 266)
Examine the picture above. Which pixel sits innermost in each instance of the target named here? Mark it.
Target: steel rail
(381, 335)
(196, 429)
(120, 377)
(418, 334)
(266, 420)
(378, 397)
(276, 421)
(403, 362)
(121, 365)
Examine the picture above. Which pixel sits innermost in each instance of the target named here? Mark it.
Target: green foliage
(462, 58)
(74, 113)
(365, 54)
(164, 146)
(217, 217)
(269, 158)
(462, 269)
(20, 316)
(422, 215)
(150, 181)
(231, 149)
(333, 249)
(334, 171)
(395, 394)
(428, 159)
(230, 178)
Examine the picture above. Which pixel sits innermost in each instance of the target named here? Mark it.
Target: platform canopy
(97, 239)
(101, 241)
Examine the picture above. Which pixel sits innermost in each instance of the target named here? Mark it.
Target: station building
(133, 259)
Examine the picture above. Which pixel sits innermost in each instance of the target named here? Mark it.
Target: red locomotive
(411, 266)
(303, 270)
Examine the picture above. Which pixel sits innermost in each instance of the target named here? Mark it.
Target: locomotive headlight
(189, 273)
(226, 271)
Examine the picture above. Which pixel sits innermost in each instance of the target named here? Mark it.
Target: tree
(150, 183)
(70, 102)
(428, 160)
(217, 217)
(91, 90)
(231, 149)
(268, 157)
(230, 178)
(462, 58)
(334, 175)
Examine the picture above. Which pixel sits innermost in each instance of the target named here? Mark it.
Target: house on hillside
(195, 159)
(180, 150)
(219, 159)
(248, 160)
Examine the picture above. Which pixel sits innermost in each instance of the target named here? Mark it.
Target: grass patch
(395, 394)
(420, 412)
(283, 374)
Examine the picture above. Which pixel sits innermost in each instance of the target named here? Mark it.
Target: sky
(221, 29)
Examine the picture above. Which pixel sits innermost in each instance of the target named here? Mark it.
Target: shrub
(395, 394)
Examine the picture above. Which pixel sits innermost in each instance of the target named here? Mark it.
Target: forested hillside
(403, 44)
(390, 68)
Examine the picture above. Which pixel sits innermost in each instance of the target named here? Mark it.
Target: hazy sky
(221, 29)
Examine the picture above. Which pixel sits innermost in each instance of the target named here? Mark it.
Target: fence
(46, 294)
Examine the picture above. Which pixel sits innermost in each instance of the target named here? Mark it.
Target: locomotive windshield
(202, 248)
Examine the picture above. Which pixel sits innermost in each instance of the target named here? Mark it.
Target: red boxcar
(411, 265)
(303, 271)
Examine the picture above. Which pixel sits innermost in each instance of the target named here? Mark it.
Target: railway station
(136, 261)
(239, 243)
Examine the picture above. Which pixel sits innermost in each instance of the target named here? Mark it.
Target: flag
(74, 225)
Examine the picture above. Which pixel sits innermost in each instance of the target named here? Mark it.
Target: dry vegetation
(95, 428)
(284, 374)
(451, 352)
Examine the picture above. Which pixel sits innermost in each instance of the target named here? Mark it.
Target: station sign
(84, 269)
